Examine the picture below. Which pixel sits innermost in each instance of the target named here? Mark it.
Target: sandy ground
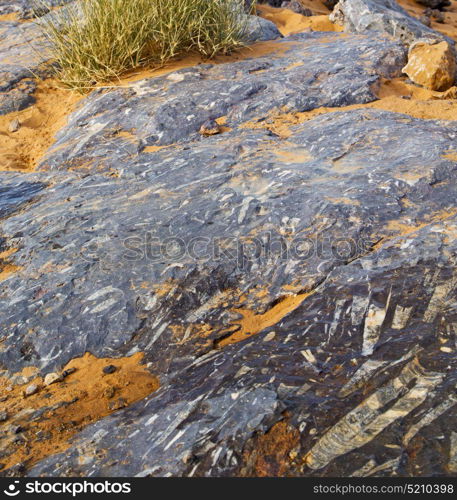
(84, 396)
(289, 22)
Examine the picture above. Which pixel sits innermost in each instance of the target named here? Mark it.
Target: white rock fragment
(30, 390)
(401, 317)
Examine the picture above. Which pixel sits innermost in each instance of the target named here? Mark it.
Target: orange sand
(82, 398)
(7, 268)
(10, 17)
(258, 49)
(271, 454)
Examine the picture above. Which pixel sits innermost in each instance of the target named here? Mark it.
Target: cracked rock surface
(294, 296)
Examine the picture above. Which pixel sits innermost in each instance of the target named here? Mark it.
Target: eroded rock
(384, 16)
(260, 30)
(294, 295)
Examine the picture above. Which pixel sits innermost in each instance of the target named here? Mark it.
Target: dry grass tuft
(95, 41)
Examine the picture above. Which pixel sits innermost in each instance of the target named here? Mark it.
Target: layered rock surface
(294, 296)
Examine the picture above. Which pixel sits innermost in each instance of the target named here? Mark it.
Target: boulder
(259, 29)
(359, 362)
(431, 65)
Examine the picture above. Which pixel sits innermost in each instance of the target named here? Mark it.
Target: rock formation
(431, 65)
(276, 297)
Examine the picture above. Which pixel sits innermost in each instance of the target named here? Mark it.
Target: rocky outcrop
(384, 16)
(431, 65)
(334, 75)
(291, 296)
(360, 362)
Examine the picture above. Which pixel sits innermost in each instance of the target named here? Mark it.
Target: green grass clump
(98, 40)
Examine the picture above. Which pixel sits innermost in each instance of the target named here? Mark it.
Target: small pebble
(425, 20)
(109, 369)
(438, 15)
(109, 392)
(14, 126)
(31, 389)
(52, 378)
(3, 416)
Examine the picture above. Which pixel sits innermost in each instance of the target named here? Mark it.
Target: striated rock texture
(294, 295)
(431, 65)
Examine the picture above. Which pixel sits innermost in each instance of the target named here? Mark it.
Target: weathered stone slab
(344, 179)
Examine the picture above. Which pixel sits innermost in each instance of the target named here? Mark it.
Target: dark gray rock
(172, 108)
(330, 4)
(384, 16)
(139, 234)
(435, 4)
(297, 7)
(273, 3)
(21, 61)
(14, 192)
